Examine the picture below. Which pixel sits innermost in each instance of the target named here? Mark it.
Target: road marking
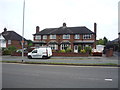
(108, 79)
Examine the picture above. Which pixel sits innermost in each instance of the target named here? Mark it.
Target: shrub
(79, 48)
(6, 52)
(62, 51)
(83, 51)
(12, 49)
(88, 49)
(68, 50)
(9, 50)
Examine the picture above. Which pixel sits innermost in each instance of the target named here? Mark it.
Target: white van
(41, 52)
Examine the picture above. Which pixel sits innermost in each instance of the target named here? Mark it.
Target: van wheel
(29, 57)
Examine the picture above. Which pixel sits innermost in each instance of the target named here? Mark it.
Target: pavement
(75, 60)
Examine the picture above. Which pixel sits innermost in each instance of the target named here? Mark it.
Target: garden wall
(58, 54)
(71, 54)
(18, 54)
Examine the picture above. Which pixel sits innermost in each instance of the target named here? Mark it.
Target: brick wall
(71, 54)
(15, 43)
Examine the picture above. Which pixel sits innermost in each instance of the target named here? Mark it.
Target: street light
(23, 31)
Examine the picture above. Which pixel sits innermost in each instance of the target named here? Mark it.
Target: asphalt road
(57, 76)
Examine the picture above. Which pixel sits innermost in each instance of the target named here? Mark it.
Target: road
(57, 76)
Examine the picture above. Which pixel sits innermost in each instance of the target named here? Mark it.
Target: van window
(35, 51)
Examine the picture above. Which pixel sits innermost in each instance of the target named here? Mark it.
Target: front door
(76, 48)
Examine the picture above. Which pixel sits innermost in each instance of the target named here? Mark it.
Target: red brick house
(62, 37)
(11, 38)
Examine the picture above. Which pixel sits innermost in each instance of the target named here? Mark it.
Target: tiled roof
(11, 35)
(65, 30)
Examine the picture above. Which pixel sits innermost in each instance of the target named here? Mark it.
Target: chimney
(37, 29)
(64, 24)
(95, 31)
(5, 29)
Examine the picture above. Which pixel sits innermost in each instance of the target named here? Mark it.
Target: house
(63, 37)
(11, 38)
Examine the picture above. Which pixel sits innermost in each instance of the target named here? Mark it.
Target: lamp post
(23, 31)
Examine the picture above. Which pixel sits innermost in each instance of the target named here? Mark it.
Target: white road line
(108, 79)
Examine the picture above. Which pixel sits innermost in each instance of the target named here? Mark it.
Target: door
(76, 48)
(35, 54)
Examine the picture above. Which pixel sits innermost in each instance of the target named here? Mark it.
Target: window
(38, 37)
(67, 36)
(53, 46)
(77, 36)
(35, 51)
(52, 36)
(9, 41)
(44, 36)
(88, 36)
(64, 46)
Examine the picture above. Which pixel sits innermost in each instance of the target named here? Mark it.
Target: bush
(12, 49)
(83, 51)
(88, 49)
(62, 51)
(6, 52)
(79, 48)
(68, 50)
(9, 50)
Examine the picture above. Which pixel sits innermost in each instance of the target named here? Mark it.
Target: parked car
(41, 52)
(98, 51)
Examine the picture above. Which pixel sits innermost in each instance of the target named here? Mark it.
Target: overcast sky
(52, 14)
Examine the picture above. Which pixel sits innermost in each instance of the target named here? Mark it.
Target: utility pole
(23, 31)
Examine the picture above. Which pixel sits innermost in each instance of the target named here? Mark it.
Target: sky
(52, 14)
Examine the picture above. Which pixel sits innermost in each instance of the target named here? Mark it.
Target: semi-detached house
(11, 38)
(62, 37)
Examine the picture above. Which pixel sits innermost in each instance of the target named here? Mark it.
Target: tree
(105, 40)
(30, 43)
(100, 42)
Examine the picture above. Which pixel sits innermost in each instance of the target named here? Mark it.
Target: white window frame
(44, 36)
(66, 36)
(38, 37)
(63, 46)
(53, 46)
(52, 36)
(77, 36)
(87, 36)
(9, 41)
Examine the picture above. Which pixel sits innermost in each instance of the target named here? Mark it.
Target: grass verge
(56, 63)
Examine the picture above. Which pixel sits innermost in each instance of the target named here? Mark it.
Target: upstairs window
(44, 36)
(38, 37)
(67, 36)
(77, 36)
(87, 36)
(52, 36)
